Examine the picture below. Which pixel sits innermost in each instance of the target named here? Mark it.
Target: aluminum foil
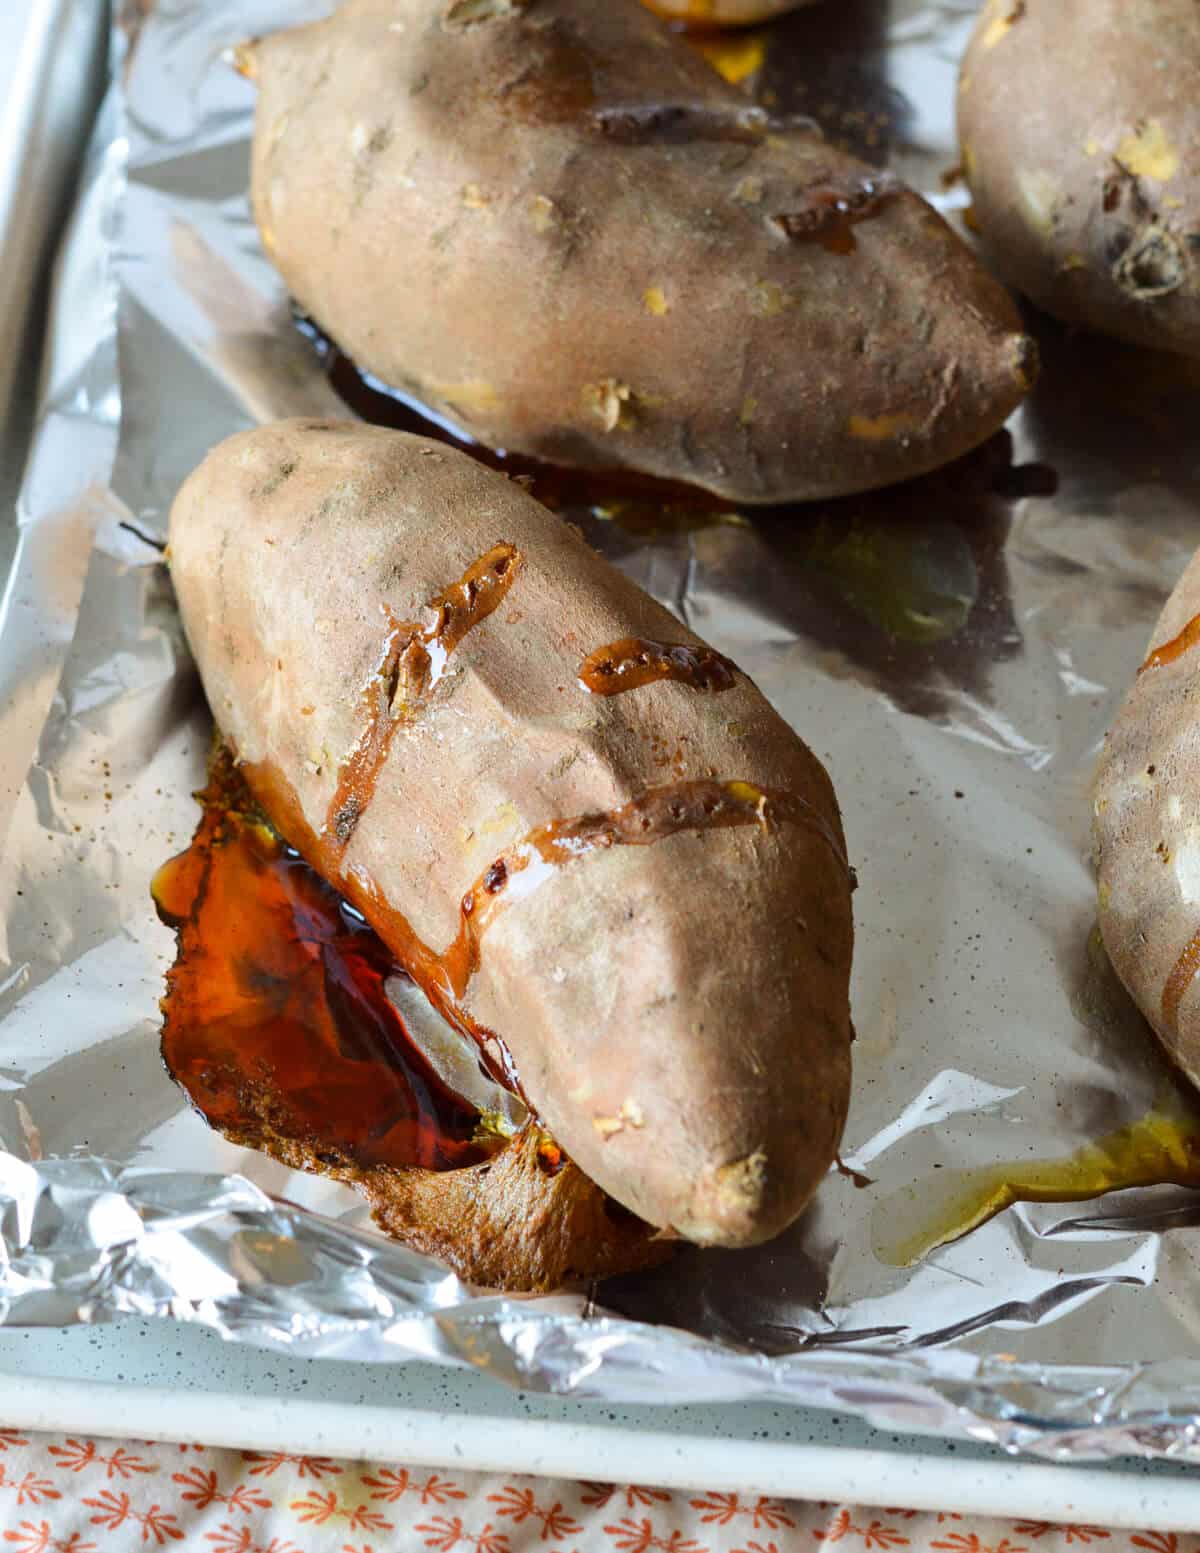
(954, 649)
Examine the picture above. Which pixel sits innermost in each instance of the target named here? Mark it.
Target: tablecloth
(76, 1495)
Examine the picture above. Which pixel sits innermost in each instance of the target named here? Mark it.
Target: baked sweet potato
(586, 835)
(1080, 140)
(553, 223)
(1145, 832)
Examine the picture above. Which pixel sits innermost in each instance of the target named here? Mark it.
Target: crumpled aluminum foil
(954, 649)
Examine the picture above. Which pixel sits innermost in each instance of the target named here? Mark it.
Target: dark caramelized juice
(1161, 1148)
(277, 1021)
(555, 486)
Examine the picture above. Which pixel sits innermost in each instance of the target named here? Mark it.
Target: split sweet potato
(587, 836)
(554, 224)
(1081, 144)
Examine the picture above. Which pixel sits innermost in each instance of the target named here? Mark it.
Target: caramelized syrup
(615, 492)
(1183, 974)
(276, 1013)
(1188, 638)
(413, 663)
(1161, 1149)
(444, 976)
(634, 661)
(829, 212)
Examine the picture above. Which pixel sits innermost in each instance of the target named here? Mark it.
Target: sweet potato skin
(677, 1010)
(1081, 144)
(565, 233)
(1146, 836)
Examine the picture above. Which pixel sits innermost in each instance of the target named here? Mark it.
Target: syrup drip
(830, 212)
(1183, 974)
(634, 661)
(848, 1173)
(444, 977)
(554, 485)
(276, 1018)
(1162, 1148)
(653, 816)
(413, 664)
(1188, 638)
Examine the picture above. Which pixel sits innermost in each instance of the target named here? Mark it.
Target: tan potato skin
(444, 200)
(1147, 833)
(1080, 129)
(678, 1011)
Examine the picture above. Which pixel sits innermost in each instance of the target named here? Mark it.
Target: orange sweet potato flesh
(1081, 144)
(557, 226)
(643, 894)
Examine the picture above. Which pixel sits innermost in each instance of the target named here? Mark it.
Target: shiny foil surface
(954, 650)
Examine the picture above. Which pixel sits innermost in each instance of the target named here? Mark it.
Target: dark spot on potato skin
(346, 820)
(556, 84)
(281, 476)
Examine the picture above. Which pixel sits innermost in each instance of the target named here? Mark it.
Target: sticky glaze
(445, 976)
(1162, 1148)
(827, 213)
(1188, 638)
(276, 1015)
(413, 663)
(635, 661)
(1183, 974)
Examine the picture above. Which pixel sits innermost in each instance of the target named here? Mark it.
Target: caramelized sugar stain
(828, 211)
(1160, 1149)
(1188, 638)
(657, 813)
(640, 502)
(413, 664)
(276, 1004)
(444, 977)
(278, 1027)
(635, 661)
(1183, 974)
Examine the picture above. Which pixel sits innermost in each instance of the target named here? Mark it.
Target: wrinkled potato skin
(723, 13)
(698, 984)
(441, 199)
(1147, 832)
(1080, 133)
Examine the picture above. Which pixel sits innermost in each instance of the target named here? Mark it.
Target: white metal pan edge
(52, 55)
(156, 1380)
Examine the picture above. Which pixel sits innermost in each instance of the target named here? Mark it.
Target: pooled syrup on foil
(638, 502)
(1161, 1148)
(277, 1022)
